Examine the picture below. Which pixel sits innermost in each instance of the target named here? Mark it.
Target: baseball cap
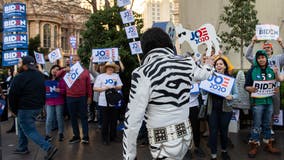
(29, 61)
(267, 45)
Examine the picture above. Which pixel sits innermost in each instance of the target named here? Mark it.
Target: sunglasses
(183, 33)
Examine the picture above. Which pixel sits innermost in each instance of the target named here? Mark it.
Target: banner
(2, 106)
(39, 58)
(264, 88)
(50, 87)
(105, 55)
(234, 125)
(135, 47)
(73, 75)
(267, 32)
(218, 84)
(127, 16)
(278, 119)
(15, 25)
(14, 10)
(54, 55)
(11, 58)
(12, 41)
(131, 32)
(194, 89)
(121, 3)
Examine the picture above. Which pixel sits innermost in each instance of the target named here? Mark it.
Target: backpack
(112, 96)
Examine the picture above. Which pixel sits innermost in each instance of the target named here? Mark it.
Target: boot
(269, 148)
(253, 149)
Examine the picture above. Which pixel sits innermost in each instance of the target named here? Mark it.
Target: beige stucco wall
(194, 13)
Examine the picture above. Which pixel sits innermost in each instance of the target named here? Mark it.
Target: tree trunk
(94, 5)
(242, 54)
(107, 4)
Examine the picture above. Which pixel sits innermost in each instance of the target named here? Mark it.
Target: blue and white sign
(127, 16)
(54, 55)
(194, 89)
(218, 84)
(122, 3)
(278, 119)
(267, 32)
(135, 47)
(131, 32)
(73, 75)
(2, 106)
(114, 54)
(73, 42)
(10, 58)
(102, 55)
(15, 25)
(12, 41)
(14, 10)
(39, 58)
(50, 89)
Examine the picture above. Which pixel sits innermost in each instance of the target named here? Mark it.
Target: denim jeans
(27, 128)
(262, 115)
(78, 106)
(54, 113)
(218, 122)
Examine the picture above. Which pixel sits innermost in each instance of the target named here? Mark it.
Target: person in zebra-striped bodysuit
(160, 94)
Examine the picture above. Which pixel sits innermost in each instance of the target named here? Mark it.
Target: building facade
(55, 21)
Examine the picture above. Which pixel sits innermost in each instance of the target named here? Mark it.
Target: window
(55, 37)
(46, 36)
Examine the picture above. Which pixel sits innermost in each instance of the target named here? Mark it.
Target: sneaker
(85, 140)
(50, 153)
(225, 156)
(74, 140)
(61, 137)
(48, 138)
(17, 151)
(199, 152)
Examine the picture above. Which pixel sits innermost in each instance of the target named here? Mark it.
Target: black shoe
(74, 140)
(50, 153)
(225, 156)
(12, 130)
(85, 140)
(48, 138)
(17, 151)
(61, 137)
(199, 152)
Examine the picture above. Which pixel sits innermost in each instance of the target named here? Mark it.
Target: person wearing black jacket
(27, 97)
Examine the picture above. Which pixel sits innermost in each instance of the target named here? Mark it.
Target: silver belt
(168, 133)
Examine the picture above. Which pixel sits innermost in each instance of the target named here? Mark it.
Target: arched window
(46, 36)
(55, 36)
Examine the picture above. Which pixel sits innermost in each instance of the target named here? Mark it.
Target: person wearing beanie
(262, 108)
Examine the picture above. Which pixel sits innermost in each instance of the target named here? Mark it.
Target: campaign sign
(131, 32)
(194, 88)
(14, 10)
(135, 47)
(15, 25)
(206, 34)
(39, 58)
(2, 106)
(15, 41)
(264, 88)
(127, 16)
(121, 3)
(278, 119)
(73, 75)
(114, 54)
(54, 55)
(102, 55)
(10, 58)
(73, 42)
(50, 87)
(267, 32)
(218, 84)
